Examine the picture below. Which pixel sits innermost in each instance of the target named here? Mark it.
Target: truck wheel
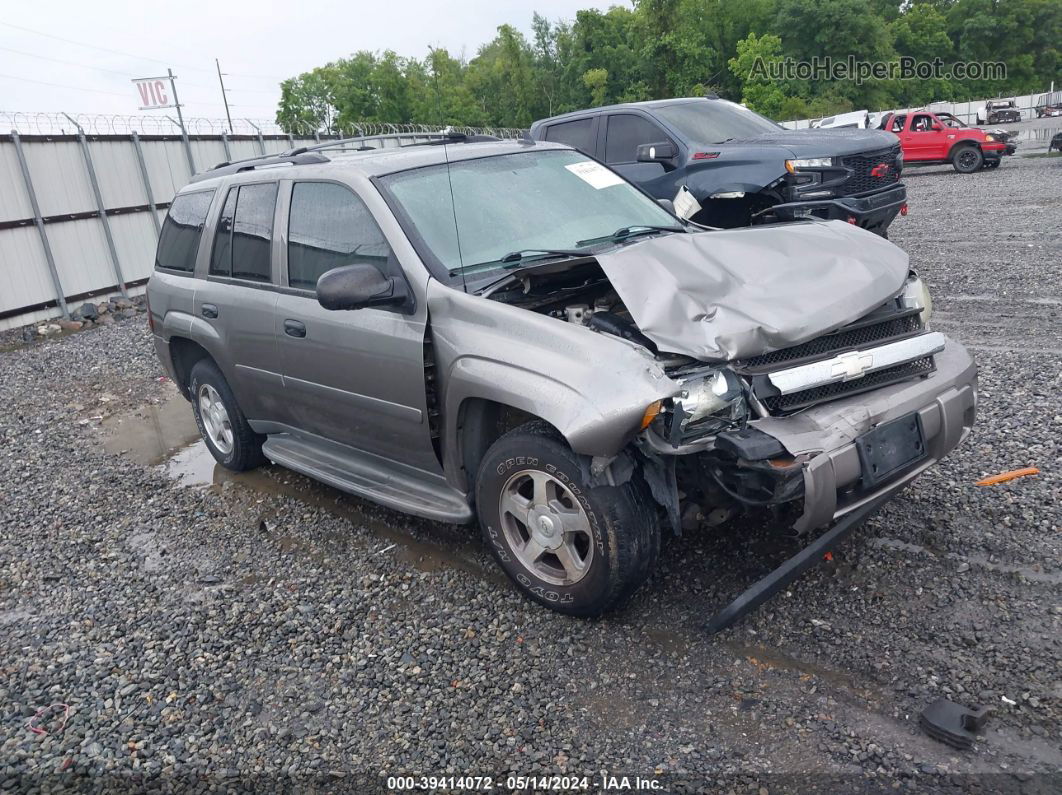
(222, 425)
(967, 159)
(576, 548)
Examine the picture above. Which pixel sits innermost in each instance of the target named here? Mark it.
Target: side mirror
(937, 127)
(358, 286)
(656, 153)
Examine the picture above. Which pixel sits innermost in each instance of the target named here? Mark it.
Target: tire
(609, 536)
(222, 424)
(967, 159)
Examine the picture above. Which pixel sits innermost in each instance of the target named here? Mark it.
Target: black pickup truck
(740, 167)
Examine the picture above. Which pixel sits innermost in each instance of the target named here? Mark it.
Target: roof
(651, 104)
(373, 162)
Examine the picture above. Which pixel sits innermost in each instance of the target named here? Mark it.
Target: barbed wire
(57, 123)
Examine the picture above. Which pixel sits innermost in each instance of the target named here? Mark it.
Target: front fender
(592, 387)
(744, 175)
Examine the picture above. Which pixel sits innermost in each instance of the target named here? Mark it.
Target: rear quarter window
(577, 134)
(182, 230)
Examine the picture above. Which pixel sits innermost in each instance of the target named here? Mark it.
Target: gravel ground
(211, 631)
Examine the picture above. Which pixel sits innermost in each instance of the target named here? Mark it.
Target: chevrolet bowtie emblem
(851, 365)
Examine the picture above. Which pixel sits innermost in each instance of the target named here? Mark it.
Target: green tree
(759, 90)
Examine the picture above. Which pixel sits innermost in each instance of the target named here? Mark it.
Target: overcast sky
(259, 44)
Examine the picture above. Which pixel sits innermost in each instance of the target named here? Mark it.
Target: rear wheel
(574, 547)
(221, 423)
(967, 159)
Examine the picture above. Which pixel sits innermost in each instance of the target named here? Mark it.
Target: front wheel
(574, 547)
(967, 160)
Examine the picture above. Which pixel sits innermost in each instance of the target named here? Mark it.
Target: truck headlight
(990, 137)
(916, 296)
(712, 403)
(808, 162)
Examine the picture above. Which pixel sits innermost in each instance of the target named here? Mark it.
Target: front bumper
(997, 151)
(824, 436)
(873, 211)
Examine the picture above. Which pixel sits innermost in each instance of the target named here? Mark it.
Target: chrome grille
(841, 340)
(785, 404)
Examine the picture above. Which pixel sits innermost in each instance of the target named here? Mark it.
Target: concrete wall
(84, 264)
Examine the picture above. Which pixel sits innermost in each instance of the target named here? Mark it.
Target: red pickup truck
(927, 137)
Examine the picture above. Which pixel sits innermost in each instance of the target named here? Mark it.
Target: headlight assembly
(808, 162)
(916, 296)
(708, 405)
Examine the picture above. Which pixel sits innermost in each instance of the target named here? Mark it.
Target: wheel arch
(479, 423)
(185, 353)
(965, 143)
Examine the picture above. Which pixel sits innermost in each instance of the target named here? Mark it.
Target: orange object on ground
(1003, 477)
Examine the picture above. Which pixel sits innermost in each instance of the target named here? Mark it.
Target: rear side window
(625, 133)
(181, 231)
(245, 233)
(328, 227)
(577, 134)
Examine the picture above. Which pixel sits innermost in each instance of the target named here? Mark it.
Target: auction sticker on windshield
(595, 174)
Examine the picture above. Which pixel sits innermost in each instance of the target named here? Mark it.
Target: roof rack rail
(364, 140)
(251, 163)
(313, 154)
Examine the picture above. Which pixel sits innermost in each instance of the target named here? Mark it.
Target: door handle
(294, 328)
(209, 310)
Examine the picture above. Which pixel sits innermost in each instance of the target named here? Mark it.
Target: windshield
(528, 202)
(713, 121)
(950, 120)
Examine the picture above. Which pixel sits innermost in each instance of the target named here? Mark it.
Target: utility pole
(180, 121)
(224, 96)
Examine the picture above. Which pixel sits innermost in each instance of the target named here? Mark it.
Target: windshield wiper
(514, 258)
(517, 256)
(625, 232)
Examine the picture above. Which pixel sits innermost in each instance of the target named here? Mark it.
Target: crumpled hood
(744, 292)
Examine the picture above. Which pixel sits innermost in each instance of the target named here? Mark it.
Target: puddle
(165, 436)
(151, 434)
(1032, 572)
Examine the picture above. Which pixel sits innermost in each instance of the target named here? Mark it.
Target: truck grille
(850, 337)
(863, 179)
(785, 404)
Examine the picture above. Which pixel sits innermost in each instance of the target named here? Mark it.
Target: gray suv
(510, 331)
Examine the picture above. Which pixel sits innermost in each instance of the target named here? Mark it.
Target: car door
(926, 138)
(237, 297)
(357, 376)
(624, 133)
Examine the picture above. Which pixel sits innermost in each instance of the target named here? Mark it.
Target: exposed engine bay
(578, 293)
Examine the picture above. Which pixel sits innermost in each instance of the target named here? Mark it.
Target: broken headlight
(707, 405)
(916, 296)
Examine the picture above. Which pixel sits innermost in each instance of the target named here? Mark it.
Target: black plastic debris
(952, 723)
